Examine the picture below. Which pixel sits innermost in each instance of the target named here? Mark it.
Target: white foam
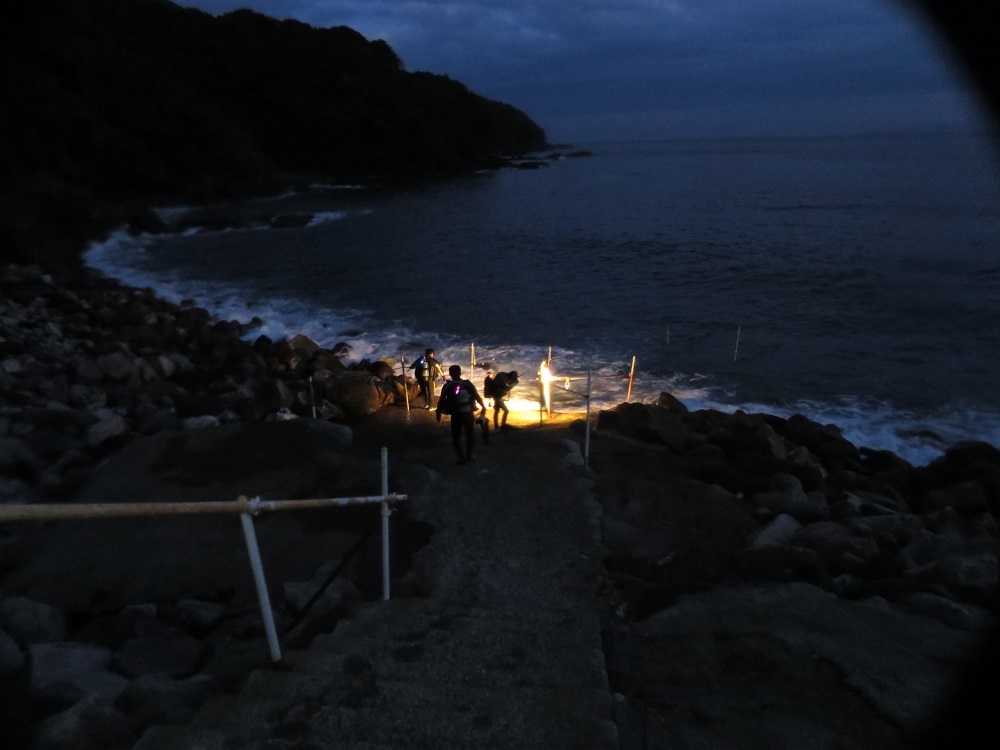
(324, 217)
(917, 438)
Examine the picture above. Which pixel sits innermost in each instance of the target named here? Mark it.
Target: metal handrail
(254, 506)
(246, 507)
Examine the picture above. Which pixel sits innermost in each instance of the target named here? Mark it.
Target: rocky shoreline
(87, 363)
(97, 381)
(105, 388)
(850, 556)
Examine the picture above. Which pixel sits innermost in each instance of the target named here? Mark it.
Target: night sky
(613, 70)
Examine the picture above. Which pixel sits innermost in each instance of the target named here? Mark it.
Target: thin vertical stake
(631, 378)
(586, 435)
(312, 396)
(385, 525)
(406, 391)
(736, 350)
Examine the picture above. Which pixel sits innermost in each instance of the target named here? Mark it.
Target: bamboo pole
(736, 350)
(312, 396)
(631, 378)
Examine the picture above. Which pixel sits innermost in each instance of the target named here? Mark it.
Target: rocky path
(492, 641)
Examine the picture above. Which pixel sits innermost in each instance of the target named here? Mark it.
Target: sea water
(855, 280)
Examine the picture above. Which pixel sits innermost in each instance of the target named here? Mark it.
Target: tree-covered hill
(111, 103)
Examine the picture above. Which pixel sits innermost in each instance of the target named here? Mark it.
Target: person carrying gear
(502, 385)
(427, 370)
(458, 399)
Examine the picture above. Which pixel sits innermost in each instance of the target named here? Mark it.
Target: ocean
(855, 280)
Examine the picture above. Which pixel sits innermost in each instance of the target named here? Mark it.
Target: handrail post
(258, 576)
(385, 525)
(406, 390)
(586, 435)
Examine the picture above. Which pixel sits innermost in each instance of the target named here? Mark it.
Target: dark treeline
(107, 105)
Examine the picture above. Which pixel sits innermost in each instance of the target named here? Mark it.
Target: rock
(649, 423)
(975, 573)
(791, 648)
(197, 616)
(157, 699)
(91, 724)
(11, 655)
(670, 403)
(200, 423)
(17, 458)
(303, 343)
(172, 653)
(29, 622)
(837, 545)
(804, 465)
(750, 444)
(382, 370)
(950, 613)
(327, 360)
(109, 427)
(967, 498)
(900, 527)
(159, 420)
(53, 663)
(778, 563)
(355, 392)
(778, 533)
(330, 412)
(823, 441)
(117, 366)
(787, 496)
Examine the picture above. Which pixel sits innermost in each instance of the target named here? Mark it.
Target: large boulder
(652, 424)
(356, 392)
(789, 651)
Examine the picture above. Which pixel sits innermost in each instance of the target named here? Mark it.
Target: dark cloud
(620, 69)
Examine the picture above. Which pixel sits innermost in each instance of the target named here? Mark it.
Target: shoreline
(919, 435)
(689, 509)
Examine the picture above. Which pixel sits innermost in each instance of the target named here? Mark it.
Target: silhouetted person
(503, 382)
(427, 370)
(459, 398)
